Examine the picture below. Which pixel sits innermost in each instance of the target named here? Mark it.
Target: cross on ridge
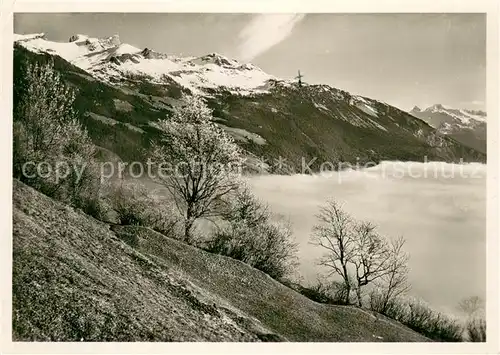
(300, 78)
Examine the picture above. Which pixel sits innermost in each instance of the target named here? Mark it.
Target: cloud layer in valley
(439, 208)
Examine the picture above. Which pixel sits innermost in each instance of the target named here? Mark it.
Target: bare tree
(475, 324)
(201, 159)
(360, 255)
(471, 306)
(334, 232)
(476, 330)
(394, 283)
(372, 256)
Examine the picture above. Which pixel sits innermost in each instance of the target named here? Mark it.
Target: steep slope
(76, 279)
(466, 126)
(122, 89)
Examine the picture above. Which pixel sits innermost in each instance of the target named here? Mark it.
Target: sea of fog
(439, 208)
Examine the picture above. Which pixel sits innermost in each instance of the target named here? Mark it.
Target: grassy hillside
(76, 278)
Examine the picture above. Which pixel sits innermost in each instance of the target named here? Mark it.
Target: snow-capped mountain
(467, 126)
(110, 60)
(122, 90)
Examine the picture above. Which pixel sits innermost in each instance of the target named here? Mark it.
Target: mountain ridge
(465, 125)
(270, 118)
(95, 54)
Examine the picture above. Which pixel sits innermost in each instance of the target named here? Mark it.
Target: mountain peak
(112, 41)
(77, 38)
(218, 59)
(214, 54)
(416, 109)
(467, 126)
(437, 107)
(28, 37)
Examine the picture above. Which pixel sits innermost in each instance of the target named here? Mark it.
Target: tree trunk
(385, 304)
(188, 224)
(358, 294)
(187, 231)
(346, 279)
(347, 292)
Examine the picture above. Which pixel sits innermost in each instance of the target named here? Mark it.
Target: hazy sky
(402, 59)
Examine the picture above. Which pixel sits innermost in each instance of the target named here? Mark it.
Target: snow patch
(103, 119)
(112, 122)
(368, 109)
(243, 135)
(364, 105)
(121, 105)
(28, 37)
(126, 49)
(376, 124)
(321, 106)
(361, 99)
(445, 128)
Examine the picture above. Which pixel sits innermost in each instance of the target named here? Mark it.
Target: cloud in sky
(264, 31)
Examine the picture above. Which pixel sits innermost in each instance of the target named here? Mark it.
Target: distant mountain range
(466, 126)
(122, 90)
